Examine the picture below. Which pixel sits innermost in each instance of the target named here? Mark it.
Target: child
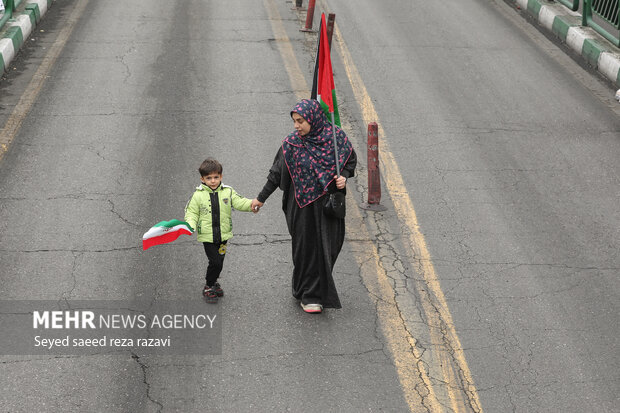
(209, 214)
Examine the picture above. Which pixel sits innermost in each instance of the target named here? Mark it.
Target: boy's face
(212, 180)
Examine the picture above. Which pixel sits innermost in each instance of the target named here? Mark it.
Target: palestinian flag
(164, 232)
(323, 88)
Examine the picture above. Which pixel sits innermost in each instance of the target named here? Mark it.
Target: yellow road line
(412, 373)
(298, 81)
(411, 368)
(21, 110)
(434, 302)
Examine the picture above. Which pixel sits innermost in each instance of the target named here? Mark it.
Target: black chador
(304, 169)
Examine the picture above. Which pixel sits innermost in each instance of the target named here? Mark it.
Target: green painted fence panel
(571, 4)
(606, 10)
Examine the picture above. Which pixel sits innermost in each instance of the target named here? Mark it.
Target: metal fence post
(9, 6)
(586, 11)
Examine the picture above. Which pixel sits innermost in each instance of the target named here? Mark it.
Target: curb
(566, 26)
(19, 28)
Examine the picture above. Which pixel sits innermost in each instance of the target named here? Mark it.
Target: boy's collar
(204, 186)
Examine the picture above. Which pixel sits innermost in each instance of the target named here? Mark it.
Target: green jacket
(209, 212)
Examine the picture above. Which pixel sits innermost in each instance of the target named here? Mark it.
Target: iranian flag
(323, 88)
(164, 232)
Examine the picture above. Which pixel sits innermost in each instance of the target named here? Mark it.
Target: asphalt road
(492, 287)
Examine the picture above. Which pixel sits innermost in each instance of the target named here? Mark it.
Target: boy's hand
(256, 204)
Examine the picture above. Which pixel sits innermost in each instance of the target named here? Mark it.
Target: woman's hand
(341, 182)
(256, 204)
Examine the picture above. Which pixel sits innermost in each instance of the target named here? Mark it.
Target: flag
(164, 232)
(323, 88)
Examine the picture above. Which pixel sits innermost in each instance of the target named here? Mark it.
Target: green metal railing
(571, 4)
(606, 10)
(9, 7)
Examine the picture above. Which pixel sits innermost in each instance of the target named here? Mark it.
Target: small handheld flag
(165, 232)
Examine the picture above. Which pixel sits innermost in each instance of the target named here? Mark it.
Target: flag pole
(335, 145)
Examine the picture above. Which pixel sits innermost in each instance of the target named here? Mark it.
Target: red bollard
(374, 180)
(374, 176)
(331, 19)
(309, 17)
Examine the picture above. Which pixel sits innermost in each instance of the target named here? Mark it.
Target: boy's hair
(210, 166)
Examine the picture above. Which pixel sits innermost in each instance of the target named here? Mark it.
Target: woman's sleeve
(349, 168)
(273, 179)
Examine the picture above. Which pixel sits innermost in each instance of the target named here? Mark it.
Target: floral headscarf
(310, 159)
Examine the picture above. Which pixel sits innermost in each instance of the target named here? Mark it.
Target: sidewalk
(565, 24)
(16, 31)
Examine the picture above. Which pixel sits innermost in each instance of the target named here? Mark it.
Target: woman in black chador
(305, 170)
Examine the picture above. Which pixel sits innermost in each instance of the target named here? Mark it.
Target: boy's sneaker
(218, 290)
(209, 294)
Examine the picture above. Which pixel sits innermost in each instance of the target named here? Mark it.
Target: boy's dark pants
(215, 254)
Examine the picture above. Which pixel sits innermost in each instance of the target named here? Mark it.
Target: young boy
(209, 214)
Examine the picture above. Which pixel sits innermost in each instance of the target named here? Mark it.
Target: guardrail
(606, 10)
(9, 7)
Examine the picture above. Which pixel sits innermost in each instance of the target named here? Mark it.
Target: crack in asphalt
(98, 153)
(113, 210)
(44, 359)
(65, 295)
(393, 265)
(404, 280)
(139, 115)
(121, 60)
(71, 250)
(144, 367)
(179, 244)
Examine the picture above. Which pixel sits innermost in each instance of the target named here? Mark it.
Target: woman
(305, 170)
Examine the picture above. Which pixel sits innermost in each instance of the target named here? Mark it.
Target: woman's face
(301, 125)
